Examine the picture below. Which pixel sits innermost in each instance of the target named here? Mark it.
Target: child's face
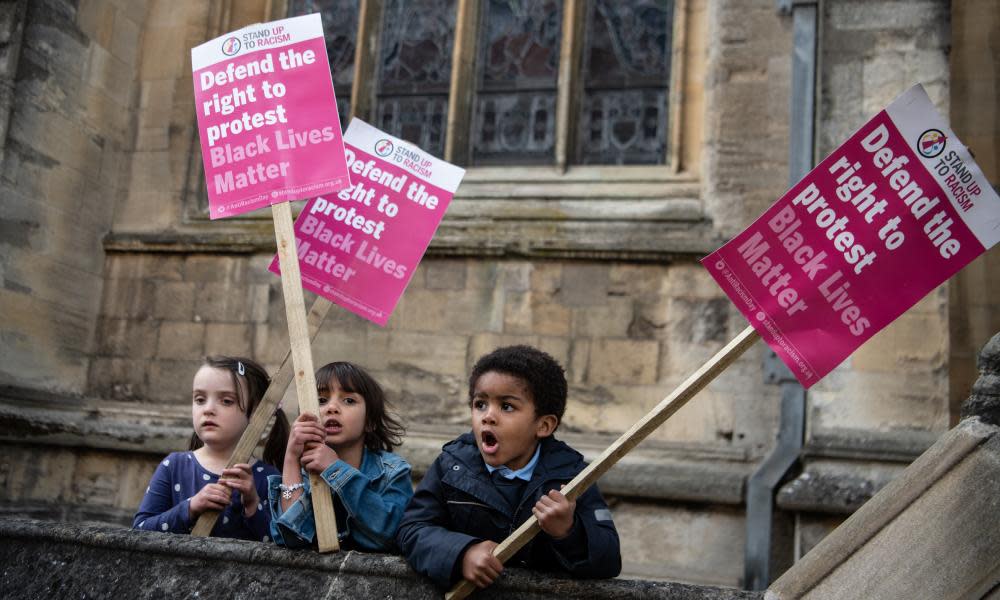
(342, 414)
(215, 408)
(504, 420)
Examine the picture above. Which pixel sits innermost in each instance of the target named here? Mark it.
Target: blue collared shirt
(524, 472)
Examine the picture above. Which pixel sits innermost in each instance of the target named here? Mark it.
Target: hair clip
(240, 368)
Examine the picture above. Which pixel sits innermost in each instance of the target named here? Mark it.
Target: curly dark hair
(250, 387)
(544, 376)
(383, 431)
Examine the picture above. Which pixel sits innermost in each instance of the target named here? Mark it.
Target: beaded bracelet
(286, 490)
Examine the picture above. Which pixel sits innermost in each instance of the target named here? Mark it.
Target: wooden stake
(653, 419)
(305, 375)
(262, 416)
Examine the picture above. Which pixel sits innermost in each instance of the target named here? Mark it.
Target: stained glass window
(626, 75)
(340, 27)
(415, 71)
(619, 91)
(518, 64)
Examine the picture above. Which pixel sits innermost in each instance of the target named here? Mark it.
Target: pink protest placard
(267, 116)
(359, 248)
(892, 213)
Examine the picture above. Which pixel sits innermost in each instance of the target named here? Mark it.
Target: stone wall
(70, 131)
(96, 562)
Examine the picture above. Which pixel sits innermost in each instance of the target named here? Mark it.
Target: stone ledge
(835, 487)
(109, 562)
(650, 241)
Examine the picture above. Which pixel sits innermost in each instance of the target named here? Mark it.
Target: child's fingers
(547, 502)
(556, 496)
(217, 498)
(306, 417)
(240, 472)
(494, 564)
(490, 571)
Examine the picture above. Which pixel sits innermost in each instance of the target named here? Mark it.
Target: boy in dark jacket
(487, 482)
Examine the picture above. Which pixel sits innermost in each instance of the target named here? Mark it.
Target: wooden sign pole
(653, 419)
(299, 336)
(305, 375)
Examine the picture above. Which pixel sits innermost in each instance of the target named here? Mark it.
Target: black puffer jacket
(457, 505)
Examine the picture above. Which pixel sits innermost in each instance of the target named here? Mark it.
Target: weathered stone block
(147, 210)
(579, 358)
(444, 274)
(92, 481)
(126, 338)
(550, 318)
(584, 285)
(215, 268)
(162, 57)
(481, 274)
(260, 300)
(175, 301)
(546, 279)
(623, 361)
(225, 302)
(231, 339)
(448, 358)
(180, 340)
(96, 19)
(517, 317)
(686, 544)
(144, 266)
(558, 348)
(118, 378)
(270, 343)
(452, 311)
(128, 298)
(110, 74)
(914, 342)
(125, 39)
(170, 380)
(48, 477)
(53, 135)
(611, 319)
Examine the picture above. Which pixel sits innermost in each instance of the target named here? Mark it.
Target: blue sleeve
(157, 511)
(425, 537)
(373, 509)
(591, 550)
(294, 528)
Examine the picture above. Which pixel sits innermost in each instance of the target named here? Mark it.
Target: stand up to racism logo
(931, 143)
(383, 148)
(231, 46)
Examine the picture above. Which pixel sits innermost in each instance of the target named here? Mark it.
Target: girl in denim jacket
(349, 445)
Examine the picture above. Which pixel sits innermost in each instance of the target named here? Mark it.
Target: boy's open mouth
(489, 442)
(332, 426)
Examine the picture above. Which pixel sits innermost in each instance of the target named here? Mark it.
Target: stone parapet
(104, 562)
(934, 532)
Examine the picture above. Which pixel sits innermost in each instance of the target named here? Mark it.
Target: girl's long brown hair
(256, 384)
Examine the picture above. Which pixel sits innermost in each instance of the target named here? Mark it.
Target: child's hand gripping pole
(653, 419)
